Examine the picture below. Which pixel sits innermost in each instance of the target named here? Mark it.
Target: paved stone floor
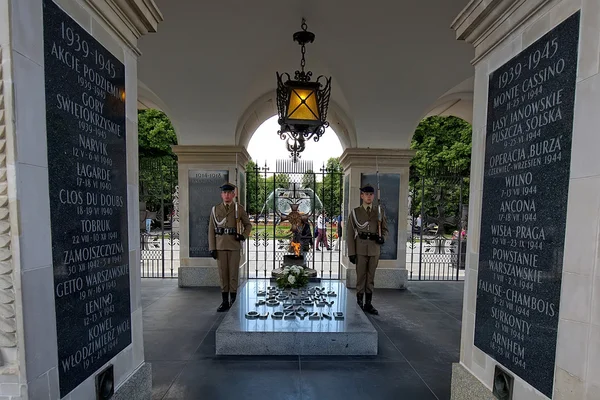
(419, 339)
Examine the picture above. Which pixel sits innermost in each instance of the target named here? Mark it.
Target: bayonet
(379, 214)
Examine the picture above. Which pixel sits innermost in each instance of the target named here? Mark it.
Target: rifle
(379, 215)
(237, 214)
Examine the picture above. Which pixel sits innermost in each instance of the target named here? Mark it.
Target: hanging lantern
(302, 104)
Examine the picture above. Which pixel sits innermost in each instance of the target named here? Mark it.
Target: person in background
(322, 229)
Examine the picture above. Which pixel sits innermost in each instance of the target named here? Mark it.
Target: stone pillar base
(385, 278)
(197, 276)
(138, 386)
(203, 276)
(391, 278)
(465, 386)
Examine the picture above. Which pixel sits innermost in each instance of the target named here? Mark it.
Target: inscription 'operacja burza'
(525, 193)
(85, 116)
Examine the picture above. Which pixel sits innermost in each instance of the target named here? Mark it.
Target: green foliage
(158, 163)
(253, 200)
(443, 145)
(331, 191)
(441, 166)
(300, 278)
(155, 134)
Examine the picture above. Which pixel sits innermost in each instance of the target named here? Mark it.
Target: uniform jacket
(227, 242)
(364, 247)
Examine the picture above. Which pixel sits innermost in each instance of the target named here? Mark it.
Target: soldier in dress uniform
(364, 242)
(225, 242)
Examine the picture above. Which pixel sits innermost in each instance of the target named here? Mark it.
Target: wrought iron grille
(269, 197)
(159, 201)
(436, 248)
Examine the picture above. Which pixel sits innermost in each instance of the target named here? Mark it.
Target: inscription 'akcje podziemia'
(525, 191)
(85, 119)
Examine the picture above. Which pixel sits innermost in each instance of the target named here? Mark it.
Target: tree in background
(158, 163)
(254, 196)
(331, 191)
(443, 157)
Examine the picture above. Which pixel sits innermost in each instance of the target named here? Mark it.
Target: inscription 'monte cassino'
(85, 118)
(525, 192)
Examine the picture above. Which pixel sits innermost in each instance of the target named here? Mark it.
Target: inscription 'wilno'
(525, 192)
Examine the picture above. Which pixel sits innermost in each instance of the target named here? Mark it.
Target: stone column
(202, 169)
(359, 167)
(540, 321)
(69, 198)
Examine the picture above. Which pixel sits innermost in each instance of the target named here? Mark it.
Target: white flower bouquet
(293, 277)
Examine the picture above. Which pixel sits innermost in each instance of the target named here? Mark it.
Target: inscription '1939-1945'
(525, 190)
(85, 118)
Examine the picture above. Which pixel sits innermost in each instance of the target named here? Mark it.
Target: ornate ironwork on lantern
(302, 104)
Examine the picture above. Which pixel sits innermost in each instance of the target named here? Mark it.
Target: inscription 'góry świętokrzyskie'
(525, 190)
(87, 171)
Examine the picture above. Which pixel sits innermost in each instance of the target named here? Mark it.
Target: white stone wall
(577, 372)
(30, 198)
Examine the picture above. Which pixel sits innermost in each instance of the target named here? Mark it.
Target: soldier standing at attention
(225, 242)
(364, 243)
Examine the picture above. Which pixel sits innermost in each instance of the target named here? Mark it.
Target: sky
(265, 145)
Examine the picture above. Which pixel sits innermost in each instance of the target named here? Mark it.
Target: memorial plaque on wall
(525, 190)
(390, 193)
(87, 171)
(204, 193)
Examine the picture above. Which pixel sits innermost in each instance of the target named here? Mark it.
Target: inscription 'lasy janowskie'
(525, 190)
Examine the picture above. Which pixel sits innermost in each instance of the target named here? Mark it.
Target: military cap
(228, 187)
(367, 189)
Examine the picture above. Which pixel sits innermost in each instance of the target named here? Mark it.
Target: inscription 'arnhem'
(525, 190)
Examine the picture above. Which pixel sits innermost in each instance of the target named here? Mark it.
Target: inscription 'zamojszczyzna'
(85, 119)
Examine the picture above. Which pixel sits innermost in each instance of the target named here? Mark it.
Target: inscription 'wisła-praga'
(525, 190)
(85, 118)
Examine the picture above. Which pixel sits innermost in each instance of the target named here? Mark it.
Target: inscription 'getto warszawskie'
(87, 171)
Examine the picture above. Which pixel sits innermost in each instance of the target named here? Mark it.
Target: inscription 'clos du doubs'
(85, 118)
(525, 191)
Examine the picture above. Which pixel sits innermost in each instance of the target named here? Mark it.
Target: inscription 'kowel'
(85, 126)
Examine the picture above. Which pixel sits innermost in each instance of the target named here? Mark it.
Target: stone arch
(457, 102)
(265, 107)
(148, 99)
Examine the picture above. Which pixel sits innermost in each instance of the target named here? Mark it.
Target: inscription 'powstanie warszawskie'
(525, 190)
(87, 171)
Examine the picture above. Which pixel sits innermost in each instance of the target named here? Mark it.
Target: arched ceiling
(389, 61)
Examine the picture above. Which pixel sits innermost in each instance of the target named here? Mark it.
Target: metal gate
(159, 199)
(436, 248)
(274, 199)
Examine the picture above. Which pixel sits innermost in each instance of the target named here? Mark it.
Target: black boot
(225, 304)
(232, 296)
(359, 300)
(368, 306)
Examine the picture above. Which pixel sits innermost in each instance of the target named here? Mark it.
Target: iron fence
(436, 248)
(159, 195)
(277, 199)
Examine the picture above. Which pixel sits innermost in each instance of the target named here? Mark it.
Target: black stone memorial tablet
(204, 193)
(87, 171)
(525, 190)
(390, 192)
